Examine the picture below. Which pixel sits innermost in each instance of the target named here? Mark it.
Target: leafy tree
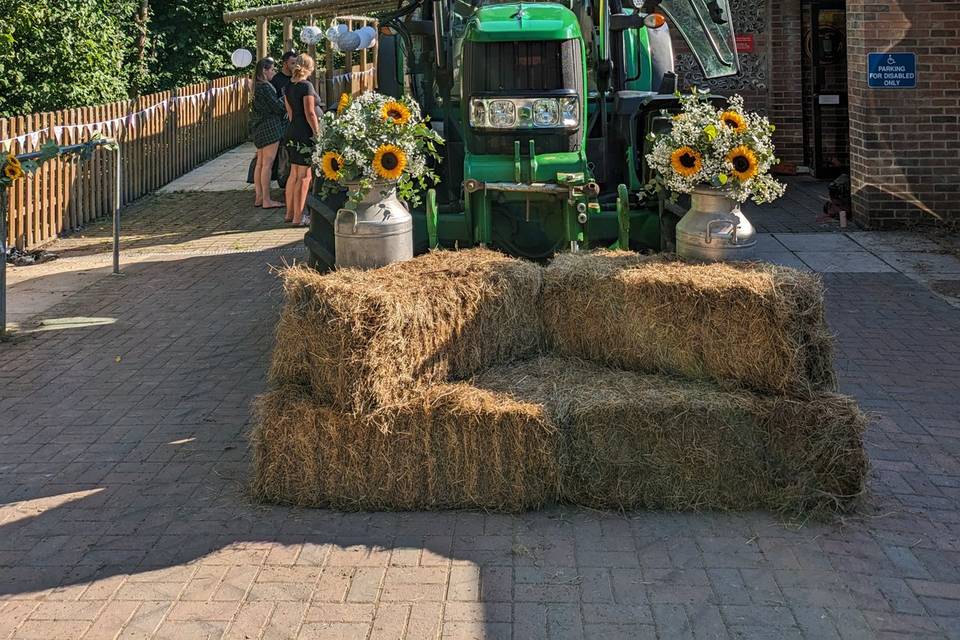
(56, 54)
(192, 43)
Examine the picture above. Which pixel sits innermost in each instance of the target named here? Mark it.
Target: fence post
(3, 259)
(116, 216)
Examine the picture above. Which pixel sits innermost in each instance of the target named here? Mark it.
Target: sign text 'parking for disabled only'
(892, 70)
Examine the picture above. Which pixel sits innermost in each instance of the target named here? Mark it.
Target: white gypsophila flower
(729, 149)
(368, 124)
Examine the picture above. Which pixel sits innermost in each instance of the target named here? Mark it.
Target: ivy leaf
(50, 149)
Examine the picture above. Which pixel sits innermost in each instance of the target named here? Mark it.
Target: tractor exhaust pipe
(438, 31)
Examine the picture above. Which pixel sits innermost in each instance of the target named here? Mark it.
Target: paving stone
(844, 261)
(817, 242)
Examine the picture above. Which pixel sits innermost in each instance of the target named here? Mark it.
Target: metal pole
(3, 260)
(116, 216)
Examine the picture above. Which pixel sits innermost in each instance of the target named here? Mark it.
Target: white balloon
(367, 36)
(349, 41)
(311, 34)
(241, 58)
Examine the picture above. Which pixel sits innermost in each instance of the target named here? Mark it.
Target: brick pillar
(905, 143)
(786, 79)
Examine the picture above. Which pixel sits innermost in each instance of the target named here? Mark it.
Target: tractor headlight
(478, 114)
(570, 111)
(546, 113)
(503, 114)
(524, 113)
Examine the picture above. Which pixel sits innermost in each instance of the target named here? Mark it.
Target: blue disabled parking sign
(892, 70)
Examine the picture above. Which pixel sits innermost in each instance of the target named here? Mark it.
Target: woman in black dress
(301, 101)
(268, 121)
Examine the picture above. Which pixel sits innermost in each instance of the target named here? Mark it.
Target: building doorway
(826, 124)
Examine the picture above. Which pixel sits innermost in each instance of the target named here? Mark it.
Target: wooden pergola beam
(303, 8)
(263, 37)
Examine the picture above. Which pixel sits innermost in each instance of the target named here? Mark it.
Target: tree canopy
(58, 54)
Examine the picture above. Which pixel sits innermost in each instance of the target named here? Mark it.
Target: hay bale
(364, 341)
(453, 446)
(742, 325)
(642, 441)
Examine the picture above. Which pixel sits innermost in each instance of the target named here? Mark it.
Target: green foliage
(56, 54)
(191, 42)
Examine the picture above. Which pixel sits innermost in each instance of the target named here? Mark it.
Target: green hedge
(58, 54)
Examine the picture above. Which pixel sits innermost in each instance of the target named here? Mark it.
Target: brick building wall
(771, 79)
(785, 97)
(905, 143)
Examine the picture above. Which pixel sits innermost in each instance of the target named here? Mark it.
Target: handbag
(280, 171)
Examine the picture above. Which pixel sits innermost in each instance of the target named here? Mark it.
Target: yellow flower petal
(744, 162)
(389, 161)
(686, 161)
(395, 112)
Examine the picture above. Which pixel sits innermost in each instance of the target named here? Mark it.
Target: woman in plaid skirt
(268, 121)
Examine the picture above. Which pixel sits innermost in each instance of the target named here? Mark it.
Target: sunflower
(744, 162)
(13, 172)
(389, 161)
(12, 169)
(396, 112)
(734, 120)
(686, 161)
(343, 104)
(332, 165)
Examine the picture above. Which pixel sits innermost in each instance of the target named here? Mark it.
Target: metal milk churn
(714, 229)
(377, 232)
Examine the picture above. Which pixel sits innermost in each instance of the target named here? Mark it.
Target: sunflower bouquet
(11, 170)
(374, 138)
(728, 149)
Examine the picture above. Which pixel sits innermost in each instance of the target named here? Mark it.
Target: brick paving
(123, 512)
(796, 211)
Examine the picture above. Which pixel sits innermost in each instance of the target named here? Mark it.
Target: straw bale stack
(743, 325)
(364, 341)
(473, 380)
(453, 446)
(643, 441)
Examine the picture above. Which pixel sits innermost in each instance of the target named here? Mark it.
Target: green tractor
(545, 108)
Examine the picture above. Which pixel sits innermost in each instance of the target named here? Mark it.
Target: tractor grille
(521, 68)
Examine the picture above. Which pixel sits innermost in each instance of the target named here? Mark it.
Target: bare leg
(292, 182)
(267, 154)
(297, 203)
(303, 188)
(257, 189)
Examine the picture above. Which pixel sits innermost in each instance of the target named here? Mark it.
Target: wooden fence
(161, 136)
